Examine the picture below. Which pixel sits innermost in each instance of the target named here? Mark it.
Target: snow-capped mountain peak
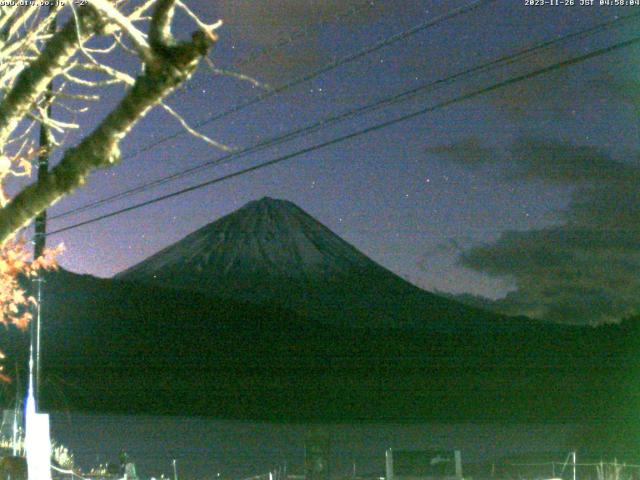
(267, 236)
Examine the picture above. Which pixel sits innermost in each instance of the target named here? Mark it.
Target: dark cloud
(585, 270)
(553, 161)
(624, 89)
(285, 63)
(266, 24)
(525, 99)
(281, 33)
(559, 162)
(263, 16)
(449, 246)
(567, 273)
(471, 152)
(569, 93)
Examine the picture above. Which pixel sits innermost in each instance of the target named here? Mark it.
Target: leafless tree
(32, 56)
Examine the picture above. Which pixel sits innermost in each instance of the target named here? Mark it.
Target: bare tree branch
(193, 131)
(136, 36)
(171, 66)
(207, 29)
(160, 29)
(33, 80)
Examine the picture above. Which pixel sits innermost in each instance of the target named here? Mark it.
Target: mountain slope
(272, 251)
(272, 237)
(177, 335)
(126, 347)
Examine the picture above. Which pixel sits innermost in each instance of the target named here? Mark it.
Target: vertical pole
(389, 464)
(458, 459)
(39, 240)
(574, 465)
(37, 439)
(175, 470)
(15, 430)
(14, 437)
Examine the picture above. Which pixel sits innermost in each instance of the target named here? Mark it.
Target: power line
(328, 121)
(324, 69)
(379, 126)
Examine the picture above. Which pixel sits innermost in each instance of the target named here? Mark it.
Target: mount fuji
(271, 251)
(267, 314)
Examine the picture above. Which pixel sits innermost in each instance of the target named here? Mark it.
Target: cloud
(447, 247)
(585, 270)
(570, 93)
(524, 99)
(567, 273)
(266, 23)
(562, 163)
(470, 152)
(285, 63)
(267, 26)
(552, 161)
(263, 16)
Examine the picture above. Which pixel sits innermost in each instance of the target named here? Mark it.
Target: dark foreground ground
(114, 347)
(235, 449)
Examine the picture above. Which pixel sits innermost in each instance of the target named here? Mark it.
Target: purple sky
(422, 196)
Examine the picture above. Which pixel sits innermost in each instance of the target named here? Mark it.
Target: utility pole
(39, 240)
(15, 430)
(37, 428)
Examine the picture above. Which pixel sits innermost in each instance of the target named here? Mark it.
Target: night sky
(529, 191)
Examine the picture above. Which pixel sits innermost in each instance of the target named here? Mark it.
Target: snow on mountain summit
(267, 237)
(272, 252)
